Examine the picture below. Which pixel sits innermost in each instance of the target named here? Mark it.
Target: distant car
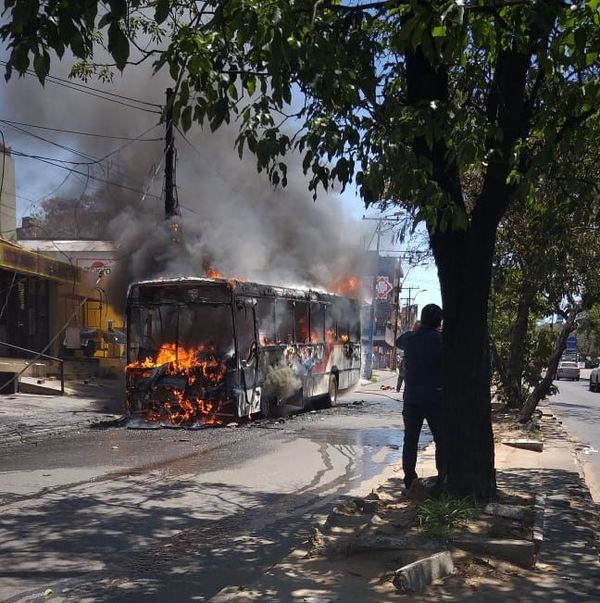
(592, 362)
(595, 380)
(568, 370)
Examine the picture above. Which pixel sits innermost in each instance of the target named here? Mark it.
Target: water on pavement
(127, 512)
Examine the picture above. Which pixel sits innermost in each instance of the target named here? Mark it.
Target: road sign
(572, 344)
(383, 287)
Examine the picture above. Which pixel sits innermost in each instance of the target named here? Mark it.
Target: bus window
(330, 325)
(265, 320)
(355, 325)
(244, 329)
(301, 322)
(284, 321)
(317, 322)
(343, 330)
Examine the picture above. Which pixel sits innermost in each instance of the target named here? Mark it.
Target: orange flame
(211, 271)
(178, 405)
(350, 287)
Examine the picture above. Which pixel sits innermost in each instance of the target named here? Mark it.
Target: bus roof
(247, 288)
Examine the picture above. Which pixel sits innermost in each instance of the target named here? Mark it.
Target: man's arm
(403, 340)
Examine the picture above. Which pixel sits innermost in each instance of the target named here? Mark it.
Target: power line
(3, 162)
(77, 132)
(75, 83)
(108, 96)
(56, 144)
(91, 177)
(93, 160)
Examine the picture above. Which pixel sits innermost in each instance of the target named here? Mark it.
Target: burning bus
(205, 351)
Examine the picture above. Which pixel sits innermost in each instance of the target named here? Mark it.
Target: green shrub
(438, 517)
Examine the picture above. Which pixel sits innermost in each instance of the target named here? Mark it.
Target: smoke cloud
(232, 219)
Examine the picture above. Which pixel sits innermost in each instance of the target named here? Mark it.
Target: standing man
(423, 393)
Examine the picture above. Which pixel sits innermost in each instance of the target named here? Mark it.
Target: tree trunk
(464, 262)
(497, 361)
(542, 389)
(513, 386)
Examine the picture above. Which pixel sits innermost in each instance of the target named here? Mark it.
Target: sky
(58, 106)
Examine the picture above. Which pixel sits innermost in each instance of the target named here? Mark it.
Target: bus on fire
(206, 351)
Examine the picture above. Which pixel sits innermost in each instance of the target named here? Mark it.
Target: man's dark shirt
(423, 362)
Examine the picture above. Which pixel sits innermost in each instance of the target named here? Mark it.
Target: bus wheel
(332, 391)
(268, 407)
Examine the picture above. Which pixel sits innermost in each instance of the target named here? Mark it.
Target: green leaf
(118, 45)
(251, 85)
(220, 114)
(186, 118)
(162, 11)
(439, 31)
(41, 66)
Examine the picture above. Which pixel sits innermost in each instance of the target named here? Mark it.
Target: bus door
(248, 356)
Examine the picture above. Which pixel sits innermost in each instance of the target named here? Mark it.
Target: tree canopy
(450, 108)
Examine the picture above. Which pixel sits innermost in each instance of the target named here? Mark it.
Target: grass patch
(438, 517)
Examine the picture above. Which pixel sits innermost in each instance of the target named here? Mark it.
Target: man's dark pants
(414, 415)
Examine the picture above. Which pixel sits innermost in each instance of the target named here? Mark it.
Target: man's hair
(431, 316)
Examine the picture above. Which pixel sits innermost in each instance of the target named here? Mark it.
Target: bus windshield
(169, 320)
(158, 328)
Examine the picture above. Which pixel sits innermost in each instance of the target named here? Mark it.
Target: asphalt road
(173, 515)
(579, 410)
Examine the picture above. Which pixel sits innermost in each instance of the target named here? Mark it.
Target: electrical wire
(92, 177)
(93, 161)
(3, 163)
(51, 342)
(12, 284)
(77, 132)
(56, 144)
(97, 92)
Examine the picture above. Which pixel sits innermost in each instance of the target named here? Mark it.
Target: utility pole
(171, 201)
(410, 299)
(397, 289)
(368, 368)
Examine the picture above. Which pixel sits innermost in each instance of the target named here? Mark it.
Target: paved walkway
(568, 567)
(24, 417)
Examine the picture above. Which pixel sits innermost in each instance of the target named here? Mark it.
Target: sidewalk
(567, 567)
(25, 417)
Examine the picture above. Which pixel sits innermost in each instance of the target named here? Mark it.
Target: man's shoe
(440, 487)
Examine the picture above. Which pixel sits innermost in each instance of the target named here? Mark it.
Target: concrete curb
(417, 576)
(525, 444)
(519, 552)
(539, 509)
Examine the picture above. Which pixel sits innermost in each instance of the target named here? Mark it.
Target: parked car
(592, 362)
(595, 380)
(568, 370)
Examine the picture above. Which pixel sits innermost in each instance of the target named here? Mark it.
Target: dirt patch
(392, 527)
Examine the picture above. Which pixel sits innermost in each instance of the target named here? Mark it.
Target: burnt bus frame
(238, 291)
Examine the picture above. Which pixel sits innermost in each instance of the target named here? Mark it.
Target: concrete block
(558, 500)
(395, 543)
(415, 577)
(538, 522)
(506, 511)
(535, 445)
(519, 552)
